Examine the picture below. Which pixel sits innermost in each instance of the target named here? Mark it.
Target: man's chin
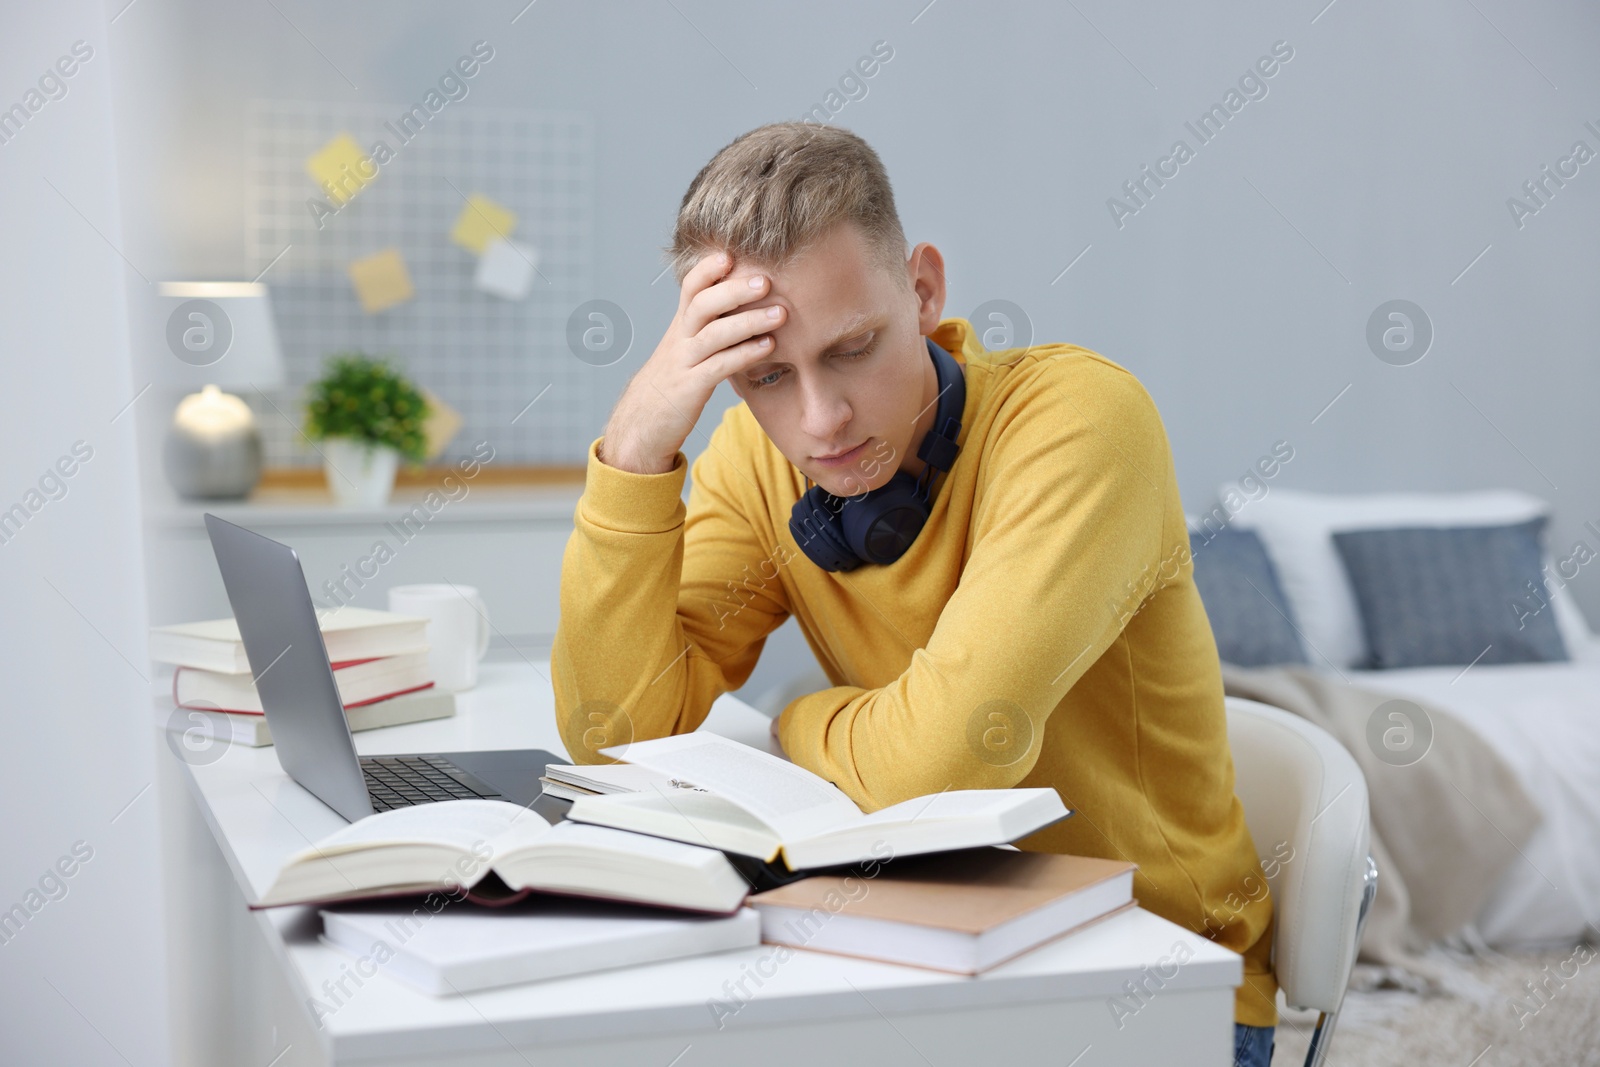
(842, 483)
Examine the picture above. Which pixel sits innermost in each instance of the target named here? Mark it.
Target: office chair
(1298, 784)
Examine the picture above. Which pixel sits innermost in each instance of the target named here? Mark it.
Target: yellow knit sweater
(1044, 629)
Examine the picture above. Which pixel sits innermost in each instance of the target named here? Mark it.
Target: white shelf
(284, 508)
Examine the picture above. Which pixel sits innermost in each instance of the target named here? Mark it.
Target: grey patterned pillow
(1249, 614)
(1450, 596)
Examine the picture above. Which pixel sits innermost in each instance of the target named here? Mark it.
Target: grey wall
(1377, 167)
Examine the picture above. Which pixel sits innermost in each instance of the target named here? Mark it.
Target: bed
(1544, 720)
(1541, 718)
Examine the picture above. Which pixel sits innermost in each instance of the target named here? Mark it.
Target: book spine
(386, 696)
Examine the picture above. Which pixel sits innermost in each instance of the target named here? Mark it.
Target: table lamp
(219, 335)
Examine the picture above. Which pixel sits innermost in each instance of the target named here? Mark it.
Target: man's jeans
(1252, 1045)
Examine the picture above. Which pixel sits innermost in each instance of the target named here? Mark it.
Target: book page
(460, 824)
(609, 777)
(953, 804)
(603, 838)
(952, 819)
(686, 807)
(349, 617)
(790, 799)
(695, 817)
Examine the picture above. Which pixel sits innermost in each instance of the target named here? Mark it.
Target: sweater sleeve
(663, 608)
(1066, 530)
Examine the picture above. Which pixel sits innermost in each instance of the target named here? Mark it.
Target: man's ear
(925, 267)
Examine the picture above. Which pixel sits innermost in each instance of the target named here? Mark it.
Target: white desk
(245, 979)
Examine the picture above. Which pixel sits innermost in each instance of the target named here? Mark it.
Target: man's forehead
(820, 340)
(832, 314)
(825, 330)
(843, 329)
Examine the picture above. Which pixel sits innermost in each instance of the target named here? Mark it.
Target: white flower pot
(360, 473)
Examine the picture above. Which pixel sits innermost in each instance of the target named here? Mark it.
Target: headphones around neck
(842, 533)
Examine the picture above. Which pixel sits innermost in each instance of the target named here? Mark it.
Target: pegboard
(486, 356)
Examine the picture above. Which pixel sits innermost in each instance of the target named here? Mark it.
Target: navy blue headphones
(842, 533)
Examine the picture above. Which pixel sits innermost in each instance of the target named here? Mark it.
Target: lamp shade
(218, 333)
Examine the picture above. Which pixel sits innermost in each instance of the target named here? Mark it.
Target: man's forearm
(646, 638)
(619, 595)
(616, 452)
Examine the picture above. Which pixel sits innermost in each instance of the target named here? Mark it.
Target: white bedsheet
(1544, 719)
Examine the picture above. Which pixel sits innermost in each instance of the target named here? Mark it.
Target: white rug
(1491, 1019)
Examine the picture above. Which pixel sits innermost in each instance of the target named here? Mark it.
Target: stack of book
(965, 911)
(379, 660)
(929, 882)
(695, 845)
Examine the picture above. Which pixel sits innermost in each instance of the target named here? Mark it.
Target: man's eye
(777, 375)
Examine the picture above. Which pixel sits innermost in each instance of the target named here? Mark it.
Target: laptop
(283, 642)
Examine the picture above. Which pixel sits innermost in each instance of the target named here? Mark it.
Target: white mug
(458, 629)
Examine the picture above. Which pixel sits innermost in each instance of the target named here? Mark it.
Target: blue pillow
(1249, 614)
(1450, 596)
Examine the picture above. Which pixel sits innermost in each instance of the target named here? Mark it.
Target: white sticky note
(506, 268)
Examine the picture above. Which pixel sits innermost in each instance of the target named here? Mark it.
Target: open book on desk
(570, 782)
(756, 804)
(496, 853)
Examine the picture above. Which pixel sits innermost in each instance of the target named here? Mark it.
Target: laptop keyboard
(401, 781)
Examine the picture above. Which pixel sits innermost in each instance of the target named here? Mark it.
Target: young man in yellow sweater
(1023, 610)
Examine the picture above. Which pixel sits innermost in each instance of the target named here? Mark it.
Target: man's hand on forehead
(713, 336)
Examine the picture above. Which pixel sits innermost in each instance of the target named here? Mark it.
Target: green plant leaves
(365, 398)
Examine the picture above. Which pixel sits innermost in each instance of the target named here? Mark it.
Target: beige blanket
(1444, 828)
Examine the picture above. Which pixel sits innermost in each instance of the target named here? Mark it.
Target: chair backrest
(1301, 790)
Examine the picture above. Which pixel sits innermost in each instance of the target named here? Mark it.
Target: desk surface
(259, 817)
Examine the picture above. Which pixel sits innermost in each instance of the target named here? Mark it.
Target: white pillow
(1297, 528)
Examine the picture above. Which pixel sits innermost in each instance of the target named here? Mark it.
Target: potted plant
(368, 417)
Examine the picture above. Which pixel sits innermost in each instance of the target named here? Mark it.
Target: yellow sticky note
(381, 280)
(341, 168)
(441, 424)
(480, 220)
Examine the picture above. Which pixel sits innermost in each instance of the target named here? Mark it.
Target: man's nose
(824, 414)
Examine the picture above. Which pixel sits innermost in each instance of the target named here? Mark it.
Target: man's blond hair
(772, 191)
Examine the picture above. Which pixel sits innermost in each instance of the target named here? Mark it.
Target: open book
(759, 805)
(570, 782)
(456, 845)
